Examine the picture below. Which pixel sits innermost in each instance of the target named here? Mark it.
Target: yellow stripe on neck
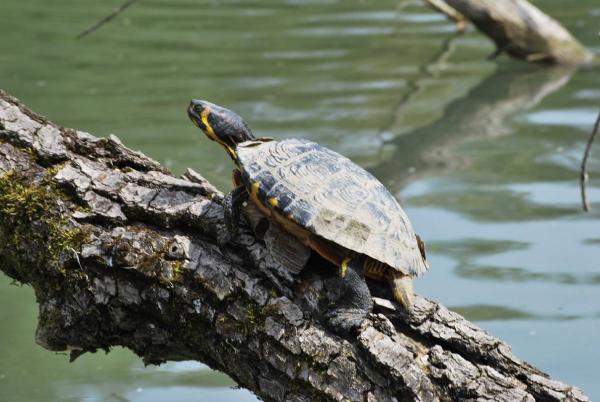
(209, 129)
(211, 133)
(344, 267)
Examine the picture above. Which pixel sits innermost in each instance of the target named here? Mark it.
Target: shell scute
(300, 211)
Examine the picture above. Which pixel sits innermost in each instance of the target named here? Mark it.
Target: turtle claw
(346, 319)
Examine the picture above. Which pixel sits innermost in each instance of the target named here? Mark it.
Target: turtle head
(219, 124)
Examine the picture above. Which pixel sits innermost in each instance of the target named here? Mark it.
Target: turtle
(329, 203)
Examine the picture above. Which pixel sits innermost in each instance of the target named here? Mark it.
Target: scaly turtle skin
(329, 203)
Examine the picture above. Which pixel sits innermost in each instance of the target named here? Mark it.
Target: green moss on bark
(34, 231)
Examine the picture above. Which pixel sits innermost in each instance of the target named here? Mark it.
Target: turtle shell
(332, 197)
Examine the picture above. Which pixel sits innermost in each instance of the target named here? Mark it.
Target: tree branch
(451, 13)
(108, 18)
(523, 31)
(120, 252)
(584, 174)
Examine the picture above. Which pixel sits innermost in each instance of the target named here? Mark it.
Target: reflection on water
(482, 114)
(190, 381)
(484, 156)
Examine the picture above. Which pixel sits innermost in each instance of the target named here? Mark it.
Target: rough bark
(523, 31)
(120, 252)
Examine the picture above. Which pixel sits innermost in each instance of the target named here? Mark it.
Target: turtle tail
(402, 289)
(421, 245)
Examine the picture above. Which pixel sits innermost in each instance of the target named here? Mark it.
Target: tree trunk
(522, 30)
(120, 252)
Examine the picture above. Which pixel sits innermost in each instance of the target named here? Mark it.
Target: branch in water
(523, 31)
(443, 7)
(106, 19)
(584, 175)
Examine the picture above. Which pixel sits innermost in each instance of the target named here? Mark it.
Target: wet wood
(121, 252)
(523, 31)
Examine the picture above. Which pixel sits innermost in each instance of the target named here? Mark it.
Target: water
(483, 155)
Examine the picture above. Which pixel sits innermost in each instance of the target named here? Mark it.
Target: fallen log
(521, 30)
(120, 252)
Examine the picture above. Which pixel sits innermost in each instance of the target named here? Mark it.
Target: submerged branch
(120, 252)
(583, 179)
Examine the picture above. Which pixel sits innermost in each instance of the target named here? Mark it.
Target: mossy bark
(120, 252)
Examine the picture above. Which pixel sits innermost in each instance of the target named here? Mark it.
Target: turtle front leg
(355, 301)
(232, 209)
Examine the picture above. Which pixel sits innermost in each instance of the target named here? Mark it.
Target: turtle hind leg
(261, 228)
(355, 302)
(402, 288)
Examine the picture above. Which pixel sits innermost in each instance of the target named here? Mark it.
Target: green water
(483, 155)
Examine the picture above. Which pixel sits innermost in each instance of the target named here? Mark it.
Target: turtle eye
(199, 109)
